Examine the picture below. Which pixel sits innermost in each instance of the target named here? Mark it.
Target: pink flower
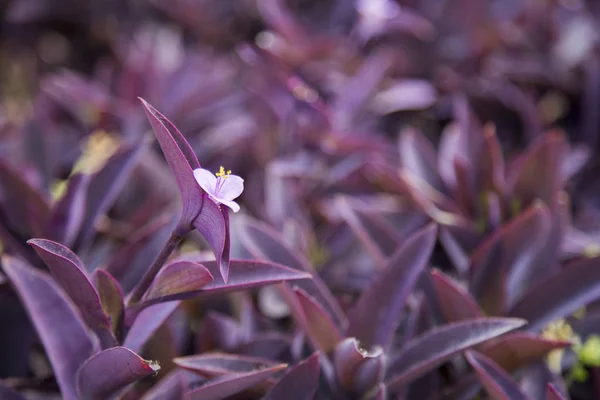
(222, 188)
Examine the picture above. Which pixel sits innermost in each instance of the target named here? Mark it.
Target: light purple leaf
(171, 387)
(265, 243)
(455, 302)
(316, 323)
(213, 224)
(111, 298)
(67, 214)
(104, 187)
(376, 315)
(146, 323)
(219, 364)
(59, 326)
(494, 379)
(228, 385)
(70, 274)
(432, 349)
(111, 370)
(181, 159)
(499, 263)
(177, 278)
(298, 383)
(561, 294)
(519, 349)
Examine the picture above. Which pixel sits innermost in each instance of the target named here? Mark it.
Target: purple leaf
(104, 187)
(455, 302)
(315, 321)
(358, 370)
(67, 214)
(170, 387)
(494, 379)
(376, 315)
(519, 349)
(504, 257)
(219, 364)
(213, 224)
(59, 326)
(70, 274)
(218, 331)
(111, 370)
(146, 323)
(182, 161)
(264, 243)
(418, 156)
(380, 393)
(299, 382)
(553, 393)
(561, 294)
(231, 384)
(426, 352)
(176, 278)
(111, 298)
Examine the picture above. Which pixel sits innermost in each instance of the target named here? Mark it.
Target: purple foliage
(268, 199)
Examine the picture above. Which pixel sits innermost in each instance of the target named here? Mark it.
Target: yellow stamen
(222, 173)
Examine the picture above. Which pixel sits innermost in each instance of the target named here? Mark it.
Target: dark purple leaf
(502, 260)
(177, 278)
(315, 321)
(264, 243)
(553, 393)
(60, 328)
(219, 364)
(218, 331)
(357, 369)
(299, 382)
(67, 214)
(6, 393)
(519, 349)
(560, 294)
(111, 298)
(494, 379)
(146, 323)
(104, 187)
(182, 161)
(231, 384)
(213, 224)
(111, 370)
(70, 274)
(376, 315)
(455, 302)
(418, 156)
(426, 352)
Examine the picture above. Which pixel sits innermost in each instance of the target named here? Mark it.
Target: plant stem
(176, 236)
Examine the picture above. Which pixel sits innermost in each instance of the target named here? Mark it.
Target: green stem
(176, 236)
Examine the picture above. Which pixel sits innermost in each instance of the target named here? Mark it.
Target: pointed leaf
(231, 384)
(519, 349)
(494, 379)
(418, 156)
(455, 302)
(59, 326)
(316, 323)
(176, 278)
(181, 159)
(219, 364)
(561, 294)
(299, 382)
(111, 370)
(501, 260)
(68, 213)
(388, 292)
(111, 298)
(70, 274)
(104, 187)
(426, 352)
(264, 243)
(213, 224)
(146, 323)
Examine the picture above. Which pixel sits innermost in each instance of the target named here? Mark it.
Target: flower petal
(231, 204)
(206, 180)
(231, 187)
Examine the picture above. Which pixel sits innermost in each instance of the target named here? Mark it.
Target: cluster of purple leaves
(420, 198)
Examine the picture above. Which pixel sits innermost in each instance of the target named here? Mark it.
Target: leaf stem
(176, 236)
